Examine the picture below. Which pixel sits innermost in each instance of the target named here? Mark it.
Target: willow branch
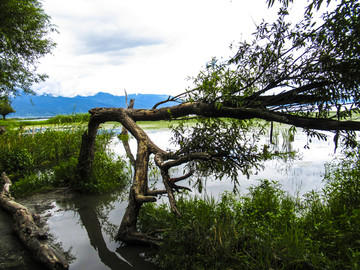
(184, 159)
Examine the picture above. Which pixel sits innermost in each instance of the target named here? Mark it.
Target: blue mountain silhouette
(28, 106)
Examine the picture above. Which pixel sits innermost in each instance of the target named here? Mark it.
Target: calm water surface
(85, 226)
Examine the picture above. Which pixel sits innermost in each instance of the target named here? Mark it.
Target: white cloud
(139, 45)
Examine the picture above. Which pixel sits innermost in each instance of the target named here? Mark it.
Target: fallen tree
(26, 228)
(304, 76)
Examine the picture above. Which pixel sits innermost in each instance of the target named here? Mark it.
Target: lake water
(298, 176)
(85, 225)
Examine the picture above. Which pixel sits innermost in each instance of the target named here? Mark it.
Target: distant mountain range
(28, 106)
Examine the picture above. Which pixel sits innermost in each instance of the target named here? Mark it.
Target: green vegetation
(56, 120)
(81, 118)
(70, 118)
(24, 31)
(265, 229)
(5, 107)
(40, 158)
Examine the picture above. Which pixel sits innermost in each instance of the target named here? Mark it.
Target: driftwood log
(28, 231)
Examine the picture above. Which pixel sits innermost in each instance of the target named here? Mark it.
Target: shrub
(15, 160)
(108, 173)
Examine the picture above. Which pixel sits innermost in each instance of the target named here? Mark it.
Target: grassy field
(80, 119)
(84, 119)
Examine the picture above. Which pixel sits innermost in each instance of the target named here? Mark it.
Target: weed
(47, 157)
(266, 229)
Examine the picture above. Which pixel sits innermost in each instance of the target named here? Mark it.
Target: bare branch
(142, 198)
(166, 181)
(124, 135)
(177, 179)
(156, 192)
(169, 99)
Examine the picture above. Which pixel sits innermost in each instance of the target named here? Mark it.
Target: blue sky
(140, 45)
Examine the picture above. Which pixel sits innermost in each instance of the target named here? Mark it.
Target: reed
(266, 228)
(40, 158)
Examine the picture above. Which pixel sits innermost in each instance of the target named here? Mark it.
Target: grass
(44, 158)
(81, 119)
(56, 120)
(265, 229)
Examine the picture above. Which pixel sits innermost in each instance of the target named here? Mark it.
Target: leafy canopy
(5, 107)
(24, 29)
(308, 72)
(306, 67)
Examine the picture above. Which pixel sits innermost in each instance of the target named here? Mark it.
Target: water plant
(45, 157)
(265, 229)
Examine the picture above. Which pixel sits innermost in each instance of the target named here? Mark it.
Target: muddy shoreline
(81, 226)
(13, 254)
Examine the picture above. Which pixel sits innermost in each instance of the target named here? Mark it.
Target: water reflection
(87, 225)
(295, 176)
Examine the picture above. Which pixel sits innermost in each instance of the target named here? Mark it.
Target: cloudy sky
(143, 46)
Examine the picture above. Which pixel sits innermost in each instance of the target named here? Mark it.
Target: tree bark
(124, 134)
(139, 192)
(29, 233)
(87, 151)
(210, 110)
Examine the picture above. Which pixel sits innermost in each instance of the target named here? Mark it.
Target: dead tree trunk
(29, 233)
(87, 151)
(139, 192)
(138, 195)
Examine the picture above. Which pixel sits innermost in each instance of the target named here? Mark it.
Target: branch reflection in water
(88, 223)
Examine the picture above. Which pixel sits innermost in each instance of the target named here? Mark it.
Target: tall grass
(70, 118)
(37, 159)
(44, 145)
(56, 120)
(265, 229)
